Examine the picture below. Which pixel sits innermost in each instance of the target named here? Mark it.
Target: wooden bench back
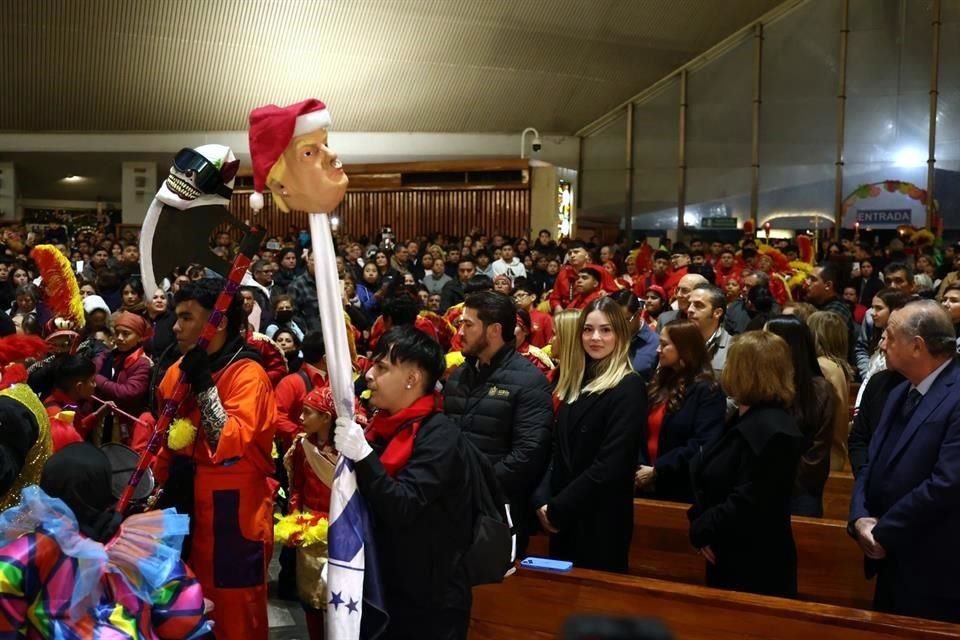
(534, 605)
(829, 563)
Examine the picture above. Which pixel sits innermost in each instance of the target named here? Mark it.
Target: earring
(409, 386)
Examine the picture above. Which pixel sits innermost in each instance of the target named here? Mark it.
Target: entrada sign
(884, 216)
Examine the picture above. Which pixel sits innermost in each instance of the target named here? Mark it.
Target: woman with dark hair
(868, 283)
(369, 289)
(284, 311)
(814, 404)
(411, 471)
(951, 302)
(289, 343)
(884, 303)
(740, 519)
(687, 410)
(131, 297)
(70, 570)
(288, 268)
(586, 498)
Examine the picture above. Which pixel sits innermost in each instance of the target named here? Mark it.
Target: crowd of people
(711, 373)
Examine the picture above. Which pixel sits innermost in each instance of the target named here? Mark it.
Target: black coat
(698, 422)
(506, 410)
(422, 522)
(867, 417)
(163, 335)
(742, 486)
(589, 490)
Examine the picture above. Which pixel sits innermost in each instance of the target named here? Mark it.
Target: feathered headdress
(14, 350)
(60, 289)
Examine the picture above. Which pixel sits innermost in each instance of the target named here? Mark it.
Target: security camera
(537, 145)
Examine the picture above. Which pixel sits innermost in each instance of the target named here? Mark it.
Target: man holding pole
(291, 157)
(220, 474)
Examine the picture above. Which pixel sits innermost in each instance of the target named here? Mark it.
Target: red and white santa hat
(271, 130)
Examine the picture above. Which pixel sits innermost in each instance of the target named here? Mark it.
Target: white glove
(349, 440)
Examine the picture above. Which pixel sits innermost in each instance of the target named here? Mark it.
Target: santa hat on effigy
(271, 130)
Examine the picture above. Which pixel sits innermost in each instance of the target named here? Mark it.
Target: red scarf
(391, 429)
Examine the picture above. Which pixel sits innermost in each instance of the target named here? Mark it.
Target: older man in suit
(905, 511)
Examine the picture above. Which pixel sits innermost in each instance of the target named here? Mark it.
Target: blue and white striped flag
(353, 584)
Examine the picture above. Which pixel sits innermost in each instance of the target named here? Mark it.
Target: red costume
(542, 330)
(422, 324)
(290, 394)
(66, 427)
(536, 357)
(565, 287)
(271, 355)
(232, 535)
(580, 301)
(452, 316)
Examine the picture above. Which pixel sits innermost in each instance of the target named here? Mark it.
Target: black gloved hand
(196, 370)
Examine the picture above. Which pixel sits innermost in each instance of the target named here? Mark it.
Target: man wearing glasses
(541, 329)
(261, 285)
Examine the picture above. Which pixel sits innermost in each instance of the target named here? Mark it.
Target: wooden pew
(534, 605)
(829, 563)
(836, 495)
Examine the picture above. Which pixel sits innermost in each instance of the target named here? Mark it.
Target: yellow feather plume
(181, 434)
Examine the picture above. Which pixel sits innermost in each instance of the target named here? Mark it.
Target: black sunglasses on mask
(206, 176)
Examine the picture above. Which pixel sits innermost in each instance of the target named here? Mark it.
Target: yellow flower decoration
(301, 529)
(181, 434)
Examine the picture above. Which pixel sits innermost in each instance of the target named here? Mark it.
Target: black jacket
(506, 410)
(422, 526)
(868, 415)
(589, 490)
(163, 335)
(451, 294)
(698, 422)
(742, 487)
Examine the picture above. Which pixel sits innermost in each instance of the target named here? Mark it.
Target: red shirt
(290, 393)
(542, 330)
(654, 422)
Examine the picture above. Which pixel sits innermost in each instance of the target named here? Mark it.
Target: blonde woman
(586, 499)
(565, 340)
(832, 340)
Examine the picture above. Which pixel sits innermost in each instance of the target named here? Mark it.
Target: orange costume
(232, 533)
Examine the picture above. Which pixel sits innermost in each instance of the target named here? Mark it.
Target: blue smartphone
(546, 564)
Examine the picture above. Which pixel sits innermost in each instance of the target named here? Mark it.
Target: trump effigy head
(292, 158)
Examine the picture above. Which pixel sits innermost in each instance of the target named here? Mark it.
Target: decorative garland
(912, 191)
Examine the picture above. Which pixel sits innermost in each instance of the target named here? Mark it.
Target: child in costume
(68, 406)
(71, 569)
(310, 463)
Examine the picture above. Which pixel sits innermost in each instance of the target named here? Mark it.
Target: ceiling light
(73, 178)
(909, 157)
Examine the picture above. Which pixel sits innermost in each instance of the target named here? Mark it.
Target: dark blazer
(865, 422)
(742, 486)
(589, 487)
(696, 424)
(914, 497)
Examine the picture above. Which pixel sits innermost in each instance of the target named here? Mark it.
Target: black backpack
(491, 555)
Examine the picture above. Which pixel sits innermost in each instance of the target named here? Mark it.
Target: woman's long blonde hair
(607, 372)
(565, 326)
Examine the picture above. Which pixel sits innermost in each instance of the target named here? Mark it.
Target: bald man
(687, 284)
(904, 512)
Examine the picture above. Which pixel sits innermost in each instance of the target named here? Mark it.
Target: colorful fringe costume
(56, 583)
